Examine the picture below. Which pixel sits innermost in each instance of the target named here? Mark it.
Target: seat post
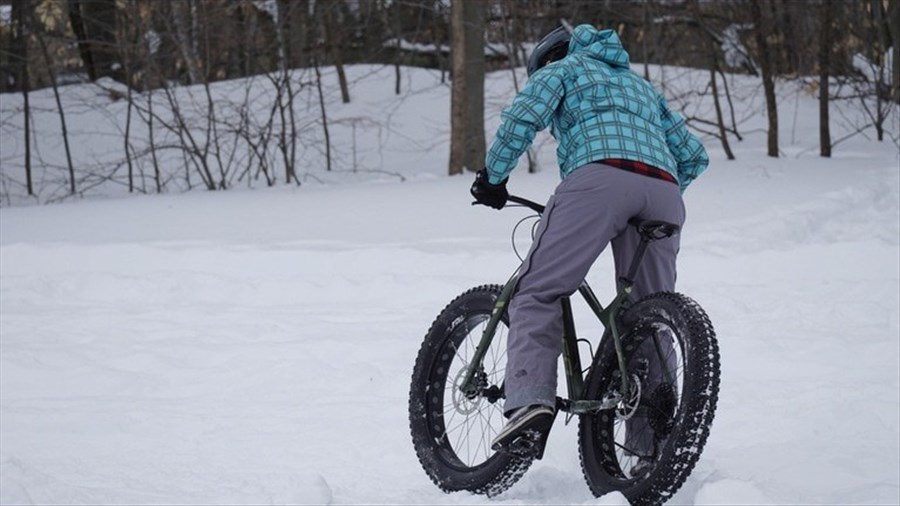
(649, 230)
(628, 281)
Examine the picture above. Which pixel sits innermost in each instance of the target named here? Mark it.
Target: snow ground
(256, 346)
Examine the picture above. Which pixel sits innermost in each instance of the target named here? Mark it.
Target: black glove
(493, 195)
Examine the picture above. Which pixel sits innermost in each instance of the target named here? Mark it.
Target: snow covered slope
(256, 346)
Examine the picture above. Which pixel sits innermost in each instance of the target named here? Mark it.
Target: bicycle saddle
(653, 230)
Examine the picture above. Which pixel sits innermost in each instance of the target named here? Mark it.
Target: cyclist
(622, 154)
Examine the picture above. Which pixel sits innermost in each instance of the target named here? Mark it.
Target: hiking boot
(525, 434)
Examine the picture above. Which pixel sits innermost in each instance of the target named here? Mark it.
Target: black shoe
(525, 434)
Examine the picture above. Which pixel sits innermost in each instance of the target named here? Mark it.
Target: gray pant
(590, 209)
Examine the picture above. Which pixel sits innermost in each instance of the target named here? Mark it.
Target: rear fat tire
(677, 457)
(427, 401)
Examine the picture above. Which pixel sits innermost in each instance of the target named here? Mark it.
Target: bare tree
(720, 121)
(62, 113)
(825, 42)
(324, 115)
(147, 78)
(22, 12)
(128, 57)
(391, 22)
(713, 41)
(284, 96)
(467, 145)
(762, 30)
(182, 15)
(293, 17)
(870, 81)
(333, 36)
(94, 24)
(893, 15)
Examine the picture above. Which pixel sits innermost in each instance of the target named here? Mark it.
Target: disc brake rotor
(627, 407)
(462, 403)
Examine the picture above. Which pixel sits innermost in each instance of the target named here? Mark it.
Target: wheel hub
(467, 404)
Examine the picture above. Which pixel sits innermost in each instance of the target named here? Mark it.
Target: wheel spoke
(464, 417)
(484, 432)
(673, 356)
(455, 431)
(628, 451)
(628, 435)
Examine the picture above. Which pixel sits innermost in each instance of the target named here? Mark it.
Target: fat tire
(679, 454)
(501, 470)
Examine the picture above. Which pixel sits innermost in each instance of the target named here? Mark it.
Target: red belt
(639, 168)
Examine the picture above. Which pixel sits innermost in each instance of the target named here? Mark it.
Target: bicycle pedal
(529, 444)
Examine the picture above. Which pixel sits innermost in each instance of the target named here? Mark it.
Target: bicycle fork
(468, 386)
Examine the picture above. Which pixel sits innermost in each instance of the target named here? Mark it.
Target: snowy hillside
(255, 346)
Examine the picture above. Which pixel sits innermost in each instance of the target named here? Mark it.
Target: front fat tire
(427, 402)
(679, 454)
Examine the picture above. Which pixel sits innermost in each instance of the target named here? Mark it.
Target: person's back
(597, 109)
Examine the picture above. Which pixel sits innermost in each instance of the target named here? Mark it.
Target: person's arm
(689, 153)
(531, 111)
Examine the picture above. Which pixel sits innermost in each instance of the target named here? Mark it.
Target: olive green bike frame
(575, 403)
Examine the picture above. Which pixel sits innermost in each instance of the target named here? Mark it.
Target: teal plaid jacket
(596, 108)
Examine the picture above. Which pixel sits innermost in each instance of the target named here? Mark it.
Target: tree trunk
(94, 24)
(734, 128)
(720, 120)
(711, 47)
(149, 76)
(324, 116)
(332, 40)
(825, 42)
(62, 114)
(127, 57)
(128, 158)
(762, 31)
(182, 16)
(27, 120)
(21, 16)
(397, 62)
(285, 94)
(475, 69)
(882, 92)
(458, 87)
(157, 176)
(894, 25)
(439, 41)
(294, 19)
(467, 145)
(84, 47)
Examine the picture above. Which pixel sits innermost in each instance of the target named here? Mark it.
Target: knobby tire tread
(505, 470)
(682, 452)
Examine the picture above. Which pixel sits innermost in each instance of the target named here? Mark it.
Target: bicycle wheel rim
(626, 440)
(467, 426)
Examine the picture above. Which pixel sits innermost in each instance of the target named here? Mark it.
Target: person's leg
(588, 209)
(657, 273)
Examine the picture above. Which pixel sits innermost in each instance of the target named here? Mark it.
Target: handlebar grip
(534, 206)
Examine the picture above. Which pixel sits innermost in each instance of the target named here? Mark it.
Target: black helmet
(551, 48)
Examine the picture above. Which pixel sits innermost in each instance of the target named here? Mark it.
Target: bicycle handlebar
(534, 206)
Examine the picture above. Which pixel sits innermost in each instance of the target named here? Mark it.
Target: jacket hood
(603, 45)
